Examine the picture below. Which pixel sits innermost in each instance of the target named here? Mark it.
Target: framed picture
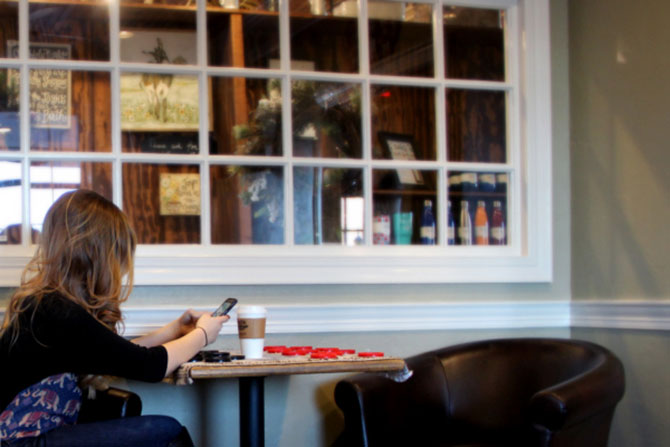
(50, 88)
(159, 102)
(401, 147)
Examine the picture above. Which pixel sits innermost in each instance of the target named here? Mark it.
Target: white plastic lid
(250, 311)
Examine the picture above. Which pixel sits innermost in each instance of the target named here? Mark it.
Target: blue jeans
(139, 431)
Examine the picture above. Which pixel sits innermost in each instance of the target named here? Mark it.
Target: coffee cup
(251, 330)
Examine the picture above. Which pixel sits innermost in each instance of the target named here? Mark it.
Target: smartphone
(225, 307)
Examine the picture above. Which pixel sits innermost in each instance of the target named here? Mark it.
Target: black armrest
(112, 403)
(573, 401)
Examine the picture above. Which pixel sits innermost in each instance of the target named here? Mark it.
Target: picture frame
(159, 101)
(401, 147)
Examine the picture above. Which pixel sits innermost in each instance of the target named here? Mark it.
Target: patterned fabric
(46, 405)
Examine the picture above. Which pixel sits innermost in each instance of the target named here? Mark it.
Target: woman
(61, 325)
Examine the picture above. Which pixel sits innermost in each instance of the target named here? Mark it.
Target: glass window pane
(10, 198)
(328, 205)
(158, 34)
(78, 30)
(159, 113)
(163, 202)
(326, 119)
(408, 112)
(401, 38)
(9, 28)
(478, 208)
(49, 180)
(474, 42)
(246, 116)
(476, 126)
(244, 37)
(324, 44)
(399, 204)
(10, 135)
(247, 204)
(70, 110)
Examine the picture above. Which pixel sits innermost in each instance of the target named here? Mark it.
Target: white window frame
(527, 258)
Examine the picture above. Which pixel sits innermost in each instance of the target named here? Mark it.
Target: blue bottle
(427, 224)
(451, 226)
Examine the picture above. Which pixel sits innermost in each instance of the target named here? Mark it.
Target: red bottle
(498, 230)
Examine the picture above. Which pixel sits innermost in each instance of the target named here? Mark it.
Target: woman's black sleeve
(85, 346)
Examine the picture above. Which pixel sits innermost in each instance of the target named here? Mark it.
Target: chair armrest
(381, 412)
(112, 403)
(576, 400)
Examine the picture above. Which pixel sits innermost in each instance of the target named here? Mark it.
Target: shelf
(404, 192)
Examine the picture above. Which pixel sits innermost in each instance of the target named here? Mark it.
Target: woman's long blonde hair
(85, 251)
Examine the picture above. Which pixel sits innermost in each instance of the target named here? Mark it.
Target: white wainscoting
(615, 314)
(378, 318)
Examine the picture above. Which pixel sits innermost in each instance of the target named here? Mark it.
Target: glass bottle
(498, 230)
(451, 227)
(481, 224)
(427, 224)
(465, 225)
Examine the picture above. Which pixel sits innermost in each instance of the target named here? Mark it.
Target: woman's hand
(186, 323)
(204, 330)
(210, 325)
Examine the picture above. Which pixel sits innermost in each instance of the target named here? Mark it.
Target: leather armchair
(507, 392)
(112, 403)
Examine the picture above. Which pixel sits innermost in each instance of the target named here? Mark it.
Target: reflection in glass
(326, 119)
(398, 208)
(70, 110)
(476, 126)
(157, 46)
(10, 135)
(247, 204)
(328, 205)
(474, 41)
(76, 31)
(163, 202)
(401, 38)
(9, 27)
(159, 113)
(10, 198)
(478, 207)
(319, 44)
(49, 180)
(246, 118)
(408, 111)
(243, 39)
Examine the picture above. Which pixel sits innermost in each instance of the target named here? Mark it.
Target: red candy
(371, 354)
(274, 349)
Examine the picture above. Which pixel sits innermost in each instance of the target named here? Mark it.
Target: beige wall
(620, 124)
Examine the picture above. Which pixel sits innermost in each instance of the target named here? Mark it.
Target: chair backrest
(490, 383)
